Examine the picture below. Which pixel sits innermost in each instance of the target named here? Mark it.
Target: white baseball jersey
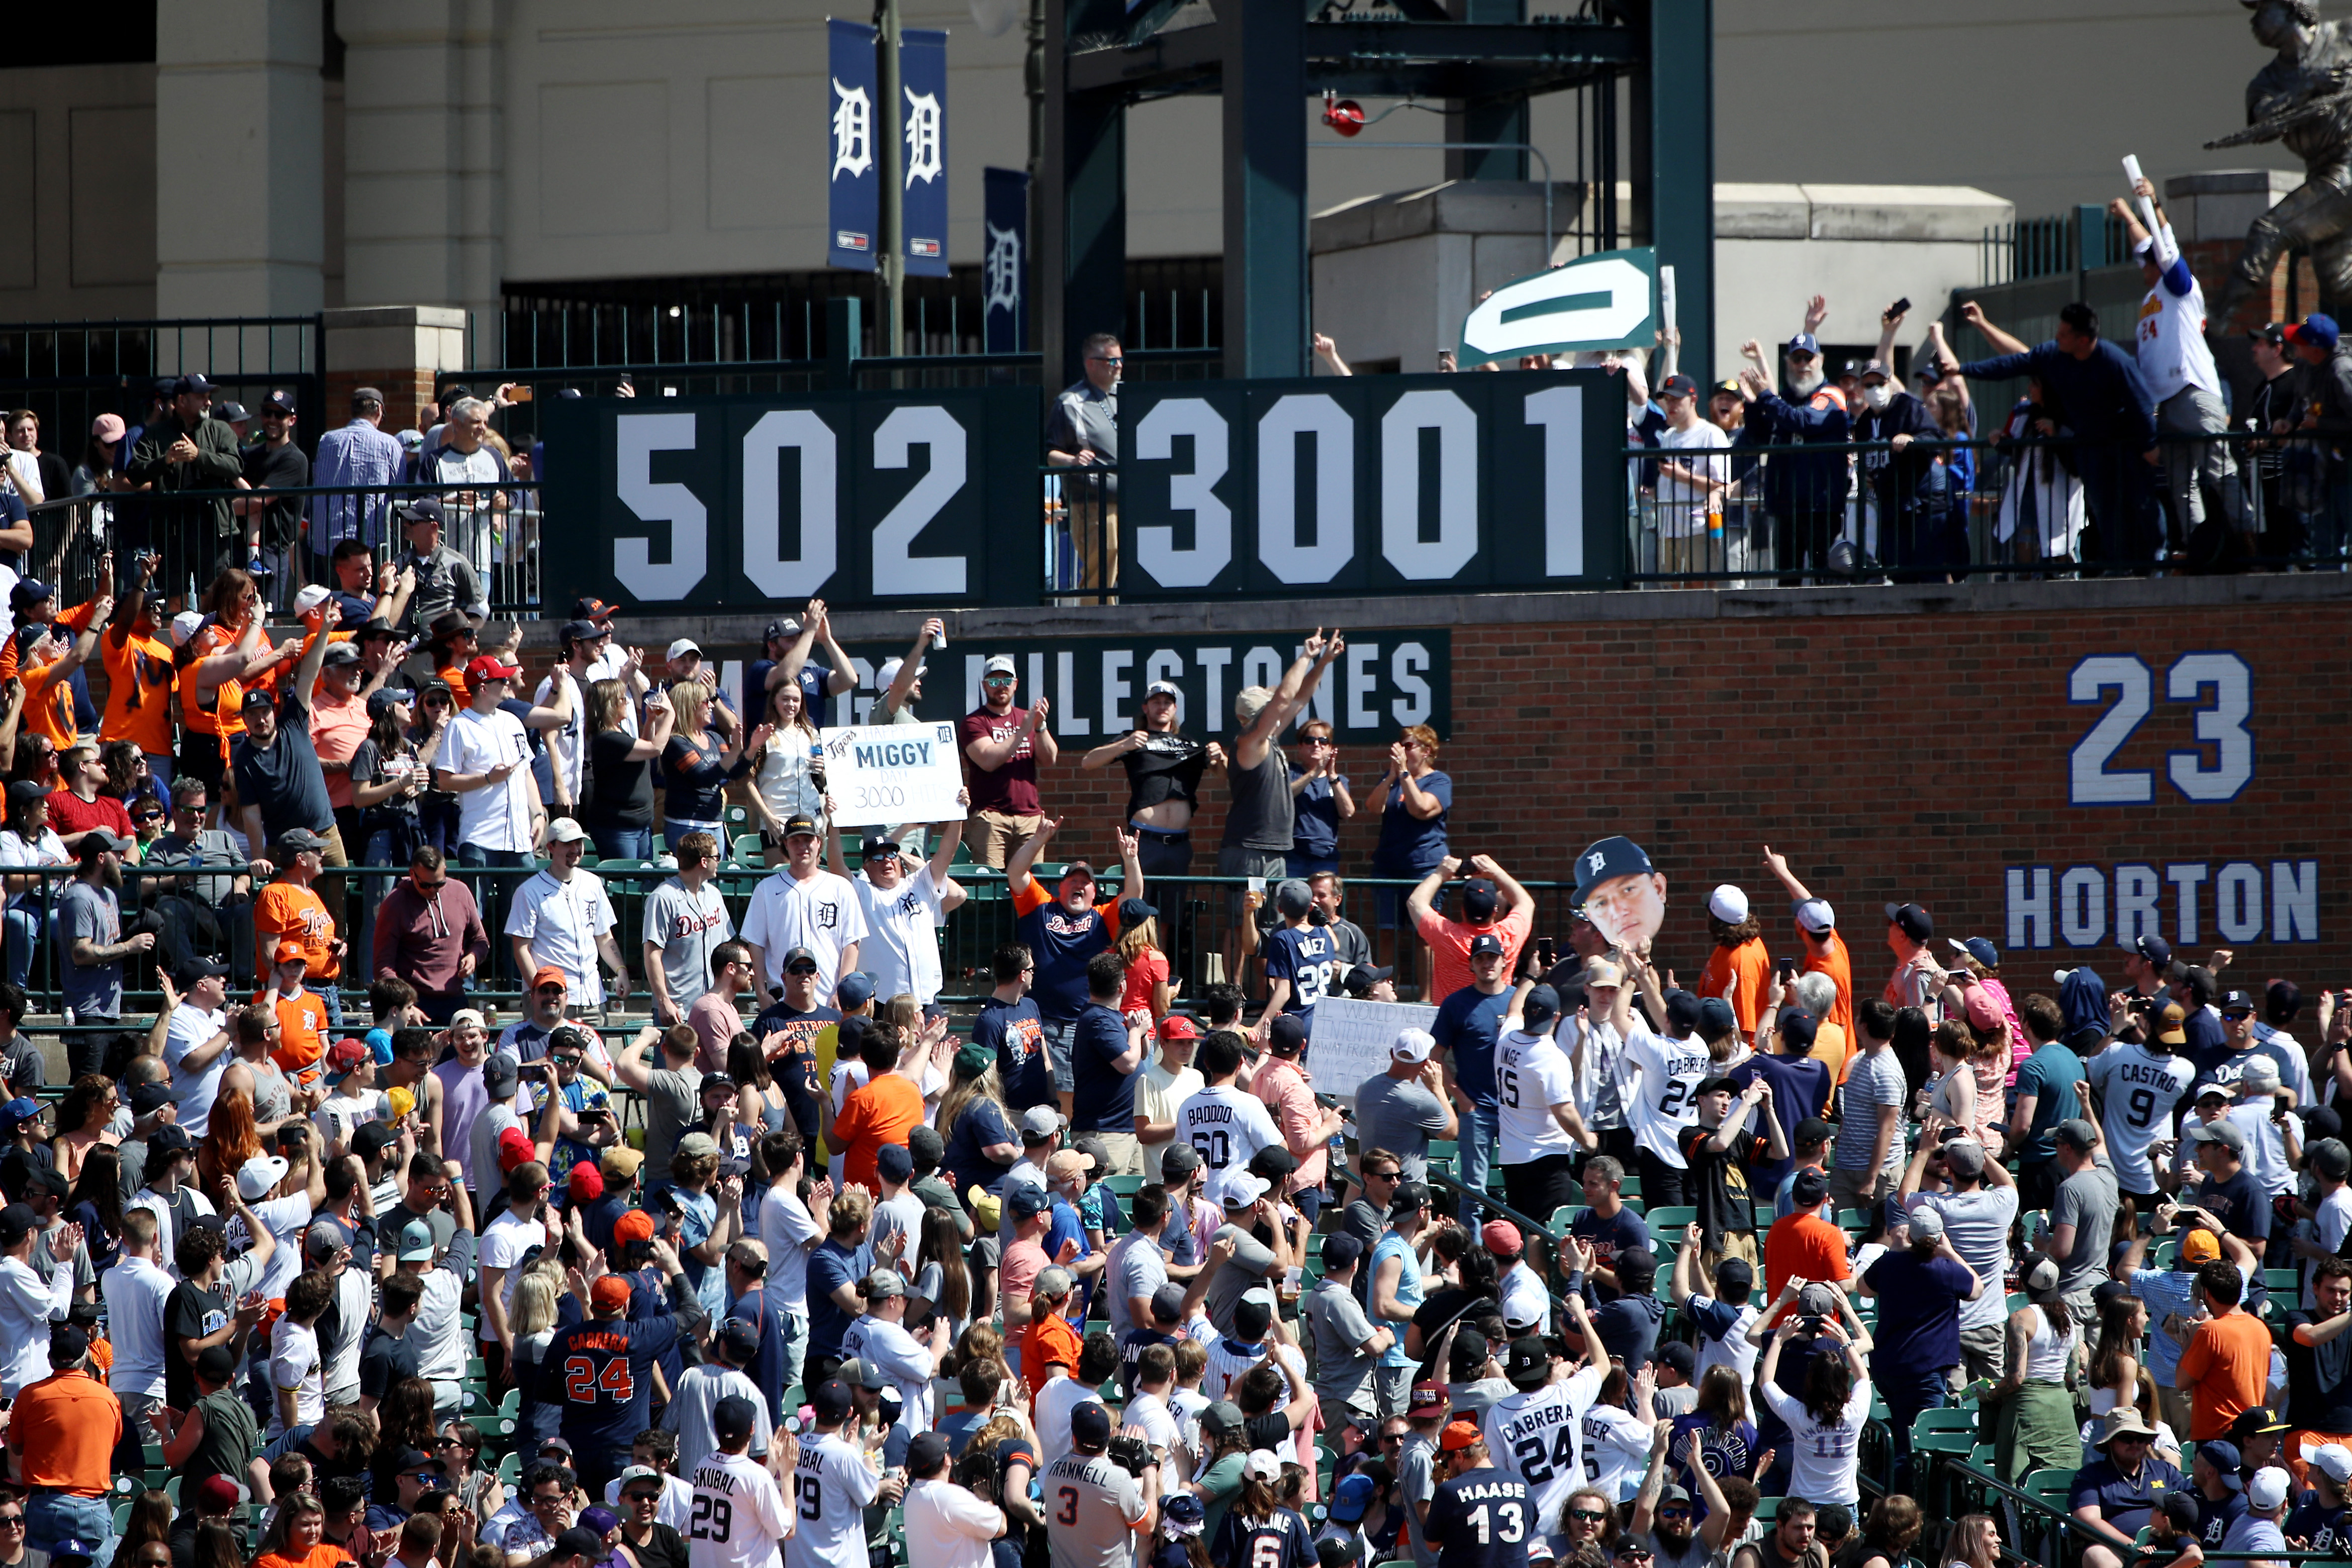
(1661, 1093)
(831, 1487)
(739, 1515)
(879, 1343)
(1226, 1126)
(1532, 1074)
(1616, 1450)
(2171, 332)
(2137, 1091)
(1534, 1436)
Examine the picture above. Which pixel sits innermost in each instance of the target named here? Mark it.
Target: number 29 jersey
(1483, 1518)
(1533, 1437)
(739, 1515)
(831, 1488)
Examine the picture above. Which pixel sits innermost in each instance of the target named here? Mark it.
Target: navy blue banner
(923, 134)
(853, 188)
(1004, 263)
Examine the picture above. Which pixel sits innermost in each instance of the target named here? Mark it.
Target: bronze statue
(2301, 99)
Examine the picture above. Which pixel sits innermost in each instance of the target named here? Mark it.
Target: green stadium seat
(1125, 1185)
(2287, 1280)
(2052, 1486)
(1667, 1222)
(748, 849)
(1853, 1219)
(1565, 1215)
(1631, 1186)
(510, 1471)
(1444, 1149)
(1951, 1418)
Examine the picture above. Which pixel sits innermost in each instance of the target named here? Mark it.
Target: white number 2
(896, 570)
(2088, 780)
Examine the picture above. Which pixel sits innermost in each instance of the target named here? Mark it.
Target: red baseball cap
(515, 1148)
(1502, 1238)
(346, 1054)
(1177, 1026)
(586, 1182)
(491, 667)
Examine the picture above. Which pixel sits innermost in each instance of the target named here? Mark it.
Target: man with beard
(1805, 496)
(1899, 529)
(89, 920)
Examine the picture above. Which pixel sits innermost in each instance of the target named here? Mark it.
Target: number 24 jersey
(1533, 1437)
(739, 1515)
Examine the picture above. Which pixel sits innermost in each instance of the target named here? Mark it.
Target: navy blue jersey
(1483, 1518)
(1304, 956)
(1017, 1033)
(600, 1372)
(1281, 1541)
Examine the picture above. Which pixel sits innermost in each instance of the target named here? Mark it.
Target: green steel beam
(1496, 118)
(1081, 204)
(1264, 87)
(1679, 130)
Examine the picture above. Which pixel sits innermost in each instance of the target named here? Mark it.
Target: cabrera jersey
(1305, 956)
(2137, 1090)
(831, 1488)
(1226, 1126)
(1483, 1518)
(1533, 1437)
(1092, 1507)
(2171, 345)
(1531, 1076)
(738, 1514)
(600, 1372)
(1665, 1100)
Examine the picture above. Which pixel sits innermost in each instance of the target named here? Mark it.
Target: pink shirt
(715, 1022)
(1282, 1085)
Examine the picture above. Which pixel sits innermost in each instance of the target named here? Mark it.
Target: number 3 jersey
(740, 1515)
(1533, 1437)
(831, 1488)
(1483, 1518)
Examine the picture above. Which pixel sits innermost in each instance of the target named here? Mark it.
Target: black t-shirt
(1267, 1431)
(623, 794)
(2319, 1379)
(1166, 767)
(663, 1548)
(190, 1312)
(1718, 1182)
(385, 1360)
(283, 467)
(283, 778)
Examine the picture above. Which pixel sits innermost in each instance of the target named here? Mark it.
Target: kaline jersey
(740, 1515)
(1226, 1126)
(831, 1488)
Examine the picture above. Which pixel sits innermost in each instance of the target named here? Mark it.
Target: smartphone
(1898, 308)
(1545, 952)
(519, 394)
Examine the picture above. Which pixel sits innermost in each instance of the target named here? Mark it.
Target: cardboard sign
(1352, 1040)
(894, 772)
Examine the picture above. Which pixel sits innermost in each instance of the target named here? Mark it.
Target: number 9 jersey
(831, 1488)
(739, 1515)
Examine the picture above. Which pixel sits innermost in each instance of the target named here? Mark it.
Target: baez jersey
(1533, 1437)
(1531, 1075)
(1305, 956)
(739, 1515)
(831, 1488)
(1225, 1126)
(1483, 1518)
(2137, 1090)
(1666, 1101)
(600, 1372)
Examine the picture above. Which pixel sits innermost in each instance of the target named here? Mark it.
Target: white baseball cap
(309, 599)
(1412, 1045)
(1263, 1464)
(1816, 916)
(1727, 904)
(889, 673)
(2268, 1489)
(1238, 1189)
(259, 1176)
(184, 625)
(683, 646)
(2334, 1459)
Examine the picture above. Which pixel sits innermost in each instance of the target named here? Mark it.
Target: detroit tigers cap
(1607, 858)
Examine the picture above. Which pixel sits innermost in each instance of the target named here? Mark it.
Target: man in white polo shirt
(562, 918)
(485, 759)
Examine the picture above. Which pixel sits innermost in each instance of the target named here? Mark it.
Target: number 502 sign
(2215, 692)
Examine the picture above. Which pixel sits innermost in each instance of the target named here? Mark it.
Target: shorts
(1126, 1154)
(1736, 1244)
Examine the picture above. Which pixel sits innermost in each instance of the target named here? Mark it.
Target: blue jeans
(1905, 1396)
(332, 996)
(623, 843)
(24, 921)
(1477, 1134)
(51, 1517)
(476, 857)
(1060, 1039)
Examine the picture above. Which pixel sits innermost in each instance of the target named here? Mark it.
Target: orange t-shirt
(1449, 945)
(66, 1427)
(1835, 1047)
(1047, 1339)
(460, 692)
(1738, 974)
(2224, 1369)
(223, 715)
(301, 1035)
(74, 623)
(882, 1112)
(139, 680)
(286, 910)
(1838, 965)
(1802, 1246)
(49, 705)
(326, 1555)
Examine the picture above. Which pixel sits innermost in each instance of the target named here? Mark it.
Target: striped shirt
(1228, 1360)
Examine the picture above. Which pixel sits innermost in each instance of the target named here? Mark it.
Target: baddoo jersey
(1226, 1126)
(1534, 1438)
(1666, 1101)
(739, 1515)
(1531, 1075)
(831, 1487)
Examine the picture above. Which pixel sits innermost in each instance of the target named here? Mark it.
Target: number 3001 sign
(2219, 688)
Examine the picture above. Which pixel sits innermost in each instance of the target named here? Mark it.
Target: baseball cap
(259, 1176)
(491, 667)
(1965, 1158)
(2173, 1025)
(1678, 385)
(1090, 1427)
(1502, 1238)
(1177, 1026)
(1457, 1435)
(2224, 1131)
(565, 830)
(2200, 1246)
(325, 1240)
(500, 1073)
(853, 990)
(1816, 916)
(2267, 1491)
(741, 1341)
(1222, 1415)
(1041, 1122)
(1912, 920)
(2275, 333)
(888, 676)
(2318, 331)
(1000, 664)
(1341, 1249)
(415, 1243)
(682, 647)
(1715, 1017)
(1027, 1201)
(301, 841)
(2332, 1460)
(927, 1453)
(1237, 1189)
(1681, 1357)
(831, 1399)
(610, 1293)
(894, 1162)
(1813, 1130)
(1428, 1402)
(1926, 1225)
(620, 1166)
(217, 1362)
(1804, 343)
(1810, 1187)
(1353, 1498)
(425, 510)
(1168, 1301)
(2076, 1134)
(2223, 1457)
(2331, 1157)
(1539, 1007)
(1412, 1045)
(1727, 904)
(1529, 1361)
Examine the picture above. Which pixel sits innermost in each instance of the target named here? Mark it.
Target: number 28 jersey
(831, 1488)
(1483, 1518)
(1533, 1437)
(739, 1515)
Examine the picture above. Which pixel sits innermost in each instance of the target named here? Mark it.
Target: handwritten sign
(1352, 1040)
(894, 772)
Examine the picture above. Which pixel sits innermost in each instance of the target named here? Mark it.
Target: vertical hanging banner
(923, 116)
(853, 188)
(1004, 270)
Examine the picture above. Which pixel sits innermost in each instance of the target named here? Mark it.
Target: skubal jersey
(831, 1487)
(740, 1516)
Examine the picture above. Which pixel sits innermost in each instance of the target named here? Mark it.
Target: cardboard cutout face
(1622, 894)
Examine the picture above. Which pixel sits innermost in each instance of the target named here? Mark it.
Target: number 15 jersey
(1532, 1074)
(831, 1488)
(739, 1515)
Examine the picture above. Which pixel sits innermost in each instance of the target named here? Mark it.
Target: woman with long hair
(1826, 1423)
(975, 1123)
(1219, 1483)
(96, 1204)
(230, 1139)
(102, 466)
(1951, 1086)
(784, 770)
(1913, 1035)
(534, 1326)
(759, 1103)
(217, 665)
(85, 1121)
(459, 1447)
(452, 642)
(2115, 1370)
(1886, 1536)
(1148, 995)
(1720, 1420)
(403, 1423)
(216, 1543)
(620, 812)
(1413, 798)
(942, 1276)
(2036, 1427)
(1972, 1541)
(1977, 966)
(149, 1520)
(1738, 969)
(697, 765)
(1258, 1527)
(28, 842)
(129, 778)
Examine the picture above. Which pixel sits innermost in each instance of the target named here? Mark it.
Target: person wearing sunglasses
(1082, 432)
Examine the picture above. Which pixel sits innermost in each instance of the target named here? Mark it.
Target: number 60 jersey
(739, 1515)
(831, 1485)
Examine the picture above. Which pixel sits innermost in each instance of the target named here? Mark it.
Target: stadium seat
(1667, 1222)
(1564, 1216)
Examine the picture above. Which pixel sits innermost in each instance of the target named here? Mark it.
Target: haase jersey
(601, 1372)
(1534, 1436)
(831, 1487)
(739, 1515)
(1483, 1518)
(1226, 1126)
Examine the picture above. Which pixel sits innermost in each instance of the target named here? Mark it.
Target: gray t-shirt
(892, 1215)
(1343, 1368)
(1417, 1482)
(1875, 1079)
(1092, 1503)
(1252, 1262)
(2087, 1201)
(686, 927)
(1136, 1268)
(673, 1104)
(1977, 1223)
(94, 990)
(1401, 1115)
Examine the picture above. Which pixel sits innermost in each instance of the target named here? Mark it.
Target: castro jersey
(1665, 1100)
(1533, 1437)
(738, 1517)
(2137, 1090)
(831, 1488)
(1531, 1075)
(1092, 1507)
(1226, 1127)
(1482, 1519)
(600, 1372)
(1305, 956)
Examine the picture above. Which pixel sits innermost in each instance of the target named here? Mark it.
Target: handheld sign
(894, 772)
(1352, 1040)
(1599, 301)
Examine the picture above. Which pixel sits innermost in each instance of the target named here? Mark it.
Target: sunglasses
(998, 681)
(801, 969)
(1383, 1175)
(1585, 1514)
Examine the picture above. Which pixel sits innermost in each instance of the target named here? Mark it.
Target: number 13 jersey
(831, 1488)
(1483, 1518)
(739, 1515)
